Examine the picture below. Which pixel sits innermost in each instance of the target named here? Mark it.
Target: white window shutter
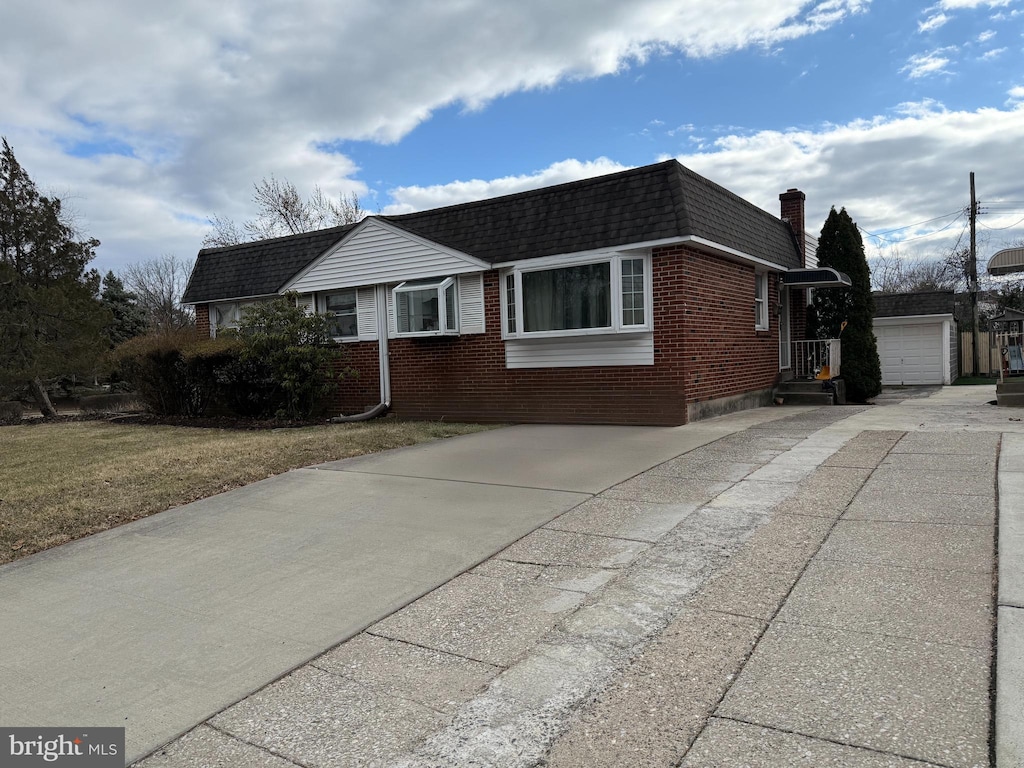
(366, 312)
(471, 303)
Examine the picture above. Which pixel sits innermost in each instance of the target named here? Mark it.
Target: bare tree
(282, 211)
(158, 285)
(895, 273)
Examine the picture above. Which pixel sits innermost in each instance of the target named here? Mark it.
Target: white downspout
(383, 364)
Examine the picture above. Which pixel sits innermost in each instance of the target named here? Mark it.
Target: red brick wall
(723, 354)
(792, 204)
(705, 347)
(203, 320)
(359, 388)
(465, 377)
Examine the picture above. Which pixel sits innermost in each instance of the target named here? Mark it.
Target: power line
(918, 237)
(998, 229)
(908, 226)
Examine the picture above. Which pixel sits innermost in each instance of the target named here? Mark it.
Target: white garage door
(910, 354)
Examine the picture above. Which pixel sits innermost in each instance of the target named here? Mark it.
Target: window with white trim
(227, 315)
(605, 295)
(340, 308)
(426, 307)
(761, 301)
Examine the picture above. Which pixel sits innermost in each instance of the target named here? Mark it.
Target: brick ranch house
(651, 296)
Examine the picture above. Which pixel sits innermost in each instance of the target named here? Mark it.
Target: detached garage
(916, 337)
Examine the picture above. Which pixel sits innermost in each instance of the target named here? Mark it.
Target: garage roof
(913, 304)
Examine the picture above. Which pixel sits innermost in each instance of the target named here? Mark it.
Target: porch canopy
(1006, 262)
(818, 277)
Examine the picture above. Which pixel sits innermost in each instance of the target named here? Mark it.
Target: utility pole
(974, 276)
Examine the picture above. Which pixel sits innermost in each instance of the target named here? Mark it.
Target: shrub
(175, 373)
(277, 364)
(10, 412)
(285, 360)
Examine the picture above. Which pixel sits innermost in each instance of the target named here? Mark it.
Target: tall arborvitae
(841, 247)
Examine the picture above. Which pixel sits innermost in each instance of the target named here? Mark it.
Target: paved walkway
(779, 587)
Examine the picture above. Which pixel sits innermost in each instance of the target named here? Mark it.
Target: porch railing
(811, 358)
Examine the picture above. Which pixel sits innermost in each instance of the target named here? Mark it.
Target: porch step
(806, 398)
(799, 385)
(1010, 393)
(804, 392)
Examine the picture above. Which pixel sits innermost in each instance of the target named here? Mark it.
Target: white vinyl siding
(305, 302)
(575, 352)
(376, 252)
(471, 304)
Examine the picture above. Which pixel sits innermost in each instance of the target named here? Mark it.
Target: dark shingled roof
(655, 202)
(260, 268)
(919, 303)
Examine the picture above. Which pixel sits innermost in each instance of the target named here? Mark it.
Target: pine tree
(51, 320)
(128, 318)
(841, 248)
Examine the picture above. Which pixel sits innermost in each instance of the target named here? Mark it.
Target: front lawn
(61, 481)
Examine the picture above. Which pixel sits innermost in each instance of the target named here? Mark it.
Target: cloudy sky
(148, 118)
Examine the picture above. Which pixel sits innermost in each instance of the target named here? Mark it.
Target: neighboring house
(916, 335)
(651, 296)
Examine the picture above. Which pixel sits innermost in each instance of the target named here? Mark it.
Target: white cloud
(928, 64)
(1016, 94)
(932, 22)
(209, 98)
(987, 35)
(888, 171)
(994, 53)
(950, 5)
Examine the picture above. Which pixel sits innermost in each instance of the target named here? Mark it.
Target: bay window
(604, 295)
(426, 307)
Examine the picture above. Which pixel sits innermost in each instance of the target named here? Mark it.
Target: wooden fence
(989, 354)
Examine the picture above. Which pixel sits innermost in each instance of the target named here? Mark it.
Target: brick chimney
(792, 201)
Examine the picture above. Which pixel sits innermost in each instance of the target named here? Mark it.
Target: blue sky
(148, 120)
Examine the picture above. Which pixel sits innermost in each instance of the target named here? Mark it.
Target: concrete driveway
(159, 624)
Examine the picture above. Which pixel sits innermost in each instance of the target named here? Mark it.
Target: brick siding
(203, 320)
(705, 347)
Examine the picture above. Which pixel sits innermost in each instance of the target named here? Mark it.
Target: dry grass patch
(62, 481)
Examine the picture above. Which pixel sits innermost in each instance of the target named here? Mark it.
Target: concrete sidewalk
(814, 590)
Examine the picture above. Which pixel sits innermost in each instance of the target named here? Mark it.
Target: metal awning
(1006, 262)
(819, 277)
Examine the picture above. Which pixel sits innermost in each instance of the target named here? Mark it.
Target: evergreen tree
(128, 319)
(51, 321)
(841, 248)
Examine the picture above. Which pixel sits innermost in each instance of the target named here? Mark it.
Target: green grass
(61, 481)
(969, 381)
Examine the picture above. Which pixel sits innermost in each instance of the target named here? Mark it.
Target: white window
(426, 307)
(607, 295)
(340, 307)
(761, 301)
(229, 314)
